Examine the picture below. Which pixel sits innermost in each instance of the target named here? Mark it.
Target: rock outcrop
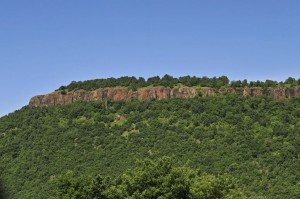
(156, 93)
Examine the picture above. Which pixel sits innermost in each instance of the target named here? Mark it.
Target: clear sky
(48, 43)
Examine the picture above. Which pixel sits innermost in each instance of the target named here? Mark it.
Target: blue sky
(48, 43)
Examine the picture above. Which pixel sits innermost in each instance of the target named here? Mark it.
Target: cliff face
(154, 93)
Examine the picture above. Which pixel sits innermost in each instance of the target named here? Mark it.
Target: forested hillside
(252, 140)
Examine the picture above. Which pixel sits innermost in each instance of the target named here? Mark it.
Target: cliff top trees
(134, 83)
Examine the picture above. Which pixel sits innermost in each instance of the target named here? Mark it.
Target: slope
(254, 139)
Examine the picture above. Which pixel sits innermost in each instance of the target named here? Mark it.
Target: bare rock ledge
(156, 93)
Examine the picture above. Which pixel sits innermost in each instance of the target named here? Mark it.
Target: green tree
(1, 191)
(244, 83)
(153, 81)
(270, 83)
(150, 179)
(168, 81)
(223, 81)
(162, 179)
(291, 81)
(68, 186)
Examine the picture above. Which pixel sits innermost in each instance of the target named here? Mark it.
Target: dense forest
(151, 179)
(225, 146)
(169, 81)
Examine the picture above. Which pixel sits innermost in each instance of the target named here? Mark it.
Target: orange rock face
(154, 93)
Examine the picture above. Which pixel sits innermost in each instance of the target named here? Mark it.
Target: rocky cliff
(156, 93)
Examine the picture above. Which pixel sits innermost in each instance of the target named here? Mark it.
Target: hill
(255, 140)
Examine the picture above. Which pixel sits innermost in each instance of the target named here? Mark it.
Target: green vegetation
(169, 81)
(1, 191)
(252, 142)
(152, 179)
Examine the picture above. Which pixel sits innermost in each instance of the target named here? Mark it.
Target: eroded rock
(156, 93)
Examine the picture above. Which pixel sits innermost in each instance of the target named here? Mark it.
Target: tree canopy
(254, 140)
(170, 81)
(150, 179)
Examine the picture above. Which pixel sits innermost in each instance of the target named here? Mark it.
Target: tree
(270, 83)
(1, 191)
(153, 81)
(168, 81)
(151, 179)
(141, 82)
(244, 83)
(235, 84)
(68, 186)
(292, 81)
(223, 80)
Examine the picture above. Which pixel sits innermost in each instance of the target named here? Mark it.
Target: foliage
(151, 179)
(170, 81)
(1, 191)
(253, 139)
(69, 186)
